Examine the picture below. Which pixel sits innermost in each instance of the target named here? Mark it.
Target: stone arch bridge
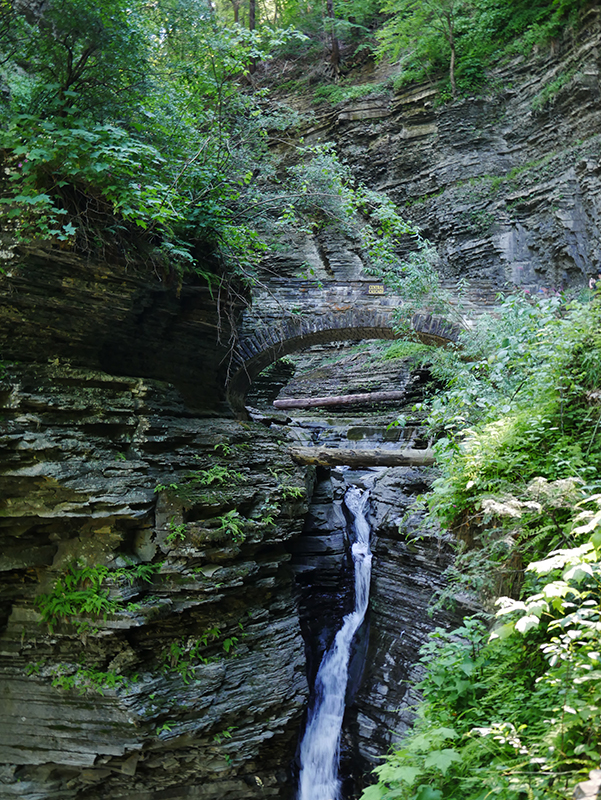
(289, 315)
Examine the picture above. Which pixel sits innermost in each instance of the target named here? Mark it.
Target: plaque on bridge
(376, 288)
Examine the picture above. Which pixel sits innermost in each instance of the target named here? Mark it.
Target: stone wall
(290, 315)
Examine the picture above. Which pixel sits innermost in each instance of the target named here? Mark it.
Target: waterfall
(320, 747)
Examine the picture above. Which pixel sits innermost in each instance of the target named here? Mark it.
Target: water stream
(320, 747)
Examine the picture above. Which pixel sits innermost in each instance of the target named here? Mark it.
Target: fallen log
(338, 400)
(334, 457)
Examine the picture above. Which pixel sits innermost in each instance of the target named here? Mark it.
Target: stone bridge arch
(266, 343)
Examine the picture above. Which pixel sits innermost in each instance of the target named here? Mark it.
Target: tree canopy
(465, 37)
(126, 122)
(139, 127)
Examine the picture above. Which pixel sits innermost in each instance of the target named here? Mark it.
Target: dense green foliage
(518, 403)
(426, 37)
(167, 161)
(125, 128)
(137, 130)
(515, 714)
(451, 42)
(355, 25)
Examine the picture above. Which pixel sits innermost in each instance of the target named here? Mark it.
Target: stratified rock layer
(116, 318)
(410, 558)
(507, 184)
(195, 683)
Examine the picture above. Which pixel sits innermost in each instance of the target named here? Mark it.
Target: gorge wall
(506, 184)
(117, 450)
(168, 689)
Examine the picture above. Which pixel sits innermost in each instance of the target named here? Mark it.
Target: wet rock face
(408, 570)
(409, 557)
(190, 682)
(323, 567)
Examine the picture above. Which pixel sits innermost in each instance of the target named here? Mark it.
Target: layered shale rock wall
(195, 680)
(506, 184)
(170, 521)
(117, 318)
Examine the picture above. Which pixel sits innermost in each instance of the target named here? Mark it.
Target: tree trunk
(252, 24)
(452, 66)
(334, 457)
(338, 400)
(450, 26)
(335, 55)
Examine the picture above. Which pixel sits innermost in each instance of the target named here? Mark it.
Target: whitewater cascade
(320, 747)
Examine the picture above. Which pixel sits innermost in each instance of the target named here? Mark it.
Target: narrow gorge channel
(320, 747)
(246, 554)
(361, 651)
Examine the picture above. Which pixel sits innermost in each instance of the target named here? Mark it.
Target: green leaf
(442, 759)
(560, 558)
(596, 540)
(467, 666)
(578, 573)
(374, 792)
(388, 773)
(423, 742)
(428, 793)
(557, 589)
(444, 732)
(590, 525)
(503, 632)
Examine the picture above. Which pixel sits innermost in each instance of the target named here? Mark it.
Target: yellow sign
(376, 288)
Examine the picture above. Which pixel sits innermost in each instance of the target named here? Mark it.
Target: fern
(79, 591)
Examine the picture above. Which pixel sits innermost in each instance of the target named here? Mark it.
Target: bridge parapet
(300, 296)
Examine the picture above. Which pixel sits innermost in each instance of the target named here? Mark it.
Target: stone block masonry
(290, 316)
